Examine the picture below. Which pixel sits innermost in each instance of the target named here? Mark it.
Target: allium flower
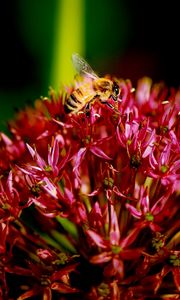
(146, 214)
(89, 203)
(165, 166)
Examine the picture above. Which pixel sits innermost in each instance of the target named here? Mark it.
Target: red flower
(10, 201)
(165, 165)
(57, 281)
(54, 165)
(10, 150)
(146, 213)
(113, 249)
(89, 203)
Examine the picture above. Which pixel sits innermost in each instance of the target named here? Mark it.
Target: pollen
(103, 290)
(108, 182)
(158, 241)
(48, 168)
(116, 249)
(164, 168)
(174, 260)
(149, 217)
(62, 259)
(87, 140)
(135, 161)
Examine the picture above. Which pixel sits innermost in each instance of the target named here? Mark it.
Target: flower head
(89, 202)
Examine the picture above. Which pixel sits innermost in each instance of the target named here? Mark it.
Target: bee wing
(82, 67)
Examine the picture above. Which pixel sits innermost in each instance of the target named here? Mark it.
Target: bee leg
(114, 98)
(111, 106)
(108, 104)
(87, 109)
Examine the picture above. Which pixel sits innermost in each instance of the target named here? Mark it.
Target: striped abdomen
(77, 100)
(71, 104)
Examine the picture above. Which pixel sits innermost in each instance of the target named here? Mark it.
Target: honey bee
(94, 89)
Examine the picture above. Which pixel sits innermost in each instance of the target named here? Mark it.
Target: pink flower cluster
(89, 204)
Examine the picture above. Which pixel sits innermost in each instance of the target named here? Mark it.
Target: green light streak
(68, 38)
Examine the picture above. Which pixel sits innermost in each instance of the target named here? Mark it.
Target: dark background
(127, 38)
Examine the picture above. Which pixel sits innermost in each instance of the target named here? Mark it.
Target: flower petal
(101, 258)
(98, 152)
(114, 232)
(134, 212)
(29, 294)
(176, 276)
(39, 160)
(78, 159)
(98, 240)
(63, 288)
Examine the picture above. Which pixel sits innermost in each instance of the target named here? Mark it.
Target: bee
(94, 89)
